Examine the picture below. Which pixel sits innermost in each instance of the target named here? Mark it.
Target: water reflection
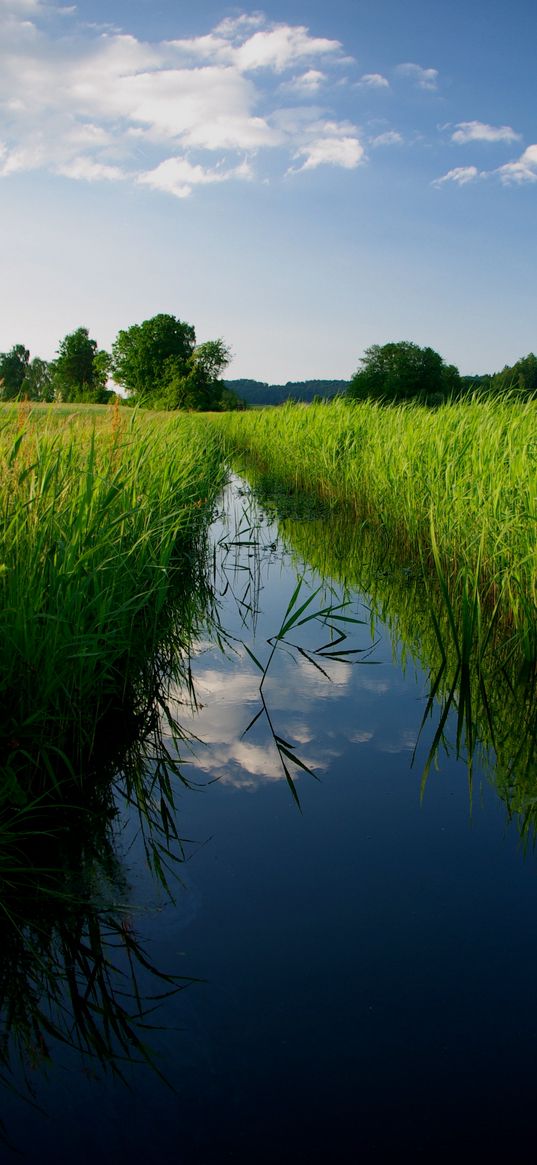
(79, 990)
(476, 690)
(343, 902)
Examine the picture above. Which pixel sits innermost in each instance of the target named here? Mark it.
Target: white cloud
(521, 171)
(88, 171)
(461, 176)
(477, 131)
(423, 78)
(331, 151)
(178, 176)
(306, 83)
(279, 48)
(390, 138)
(517, 173)
(104, 105)
(373, 81)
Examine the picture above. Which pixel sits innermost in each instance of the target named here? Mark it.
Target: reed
(479, 694)
(102, 516)
(455, 487)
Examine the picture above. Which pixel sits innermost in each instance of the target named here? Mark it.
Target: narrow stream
(363, 944)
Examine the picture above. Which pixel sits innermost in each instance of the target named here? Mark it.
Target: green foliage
(13, 370)
(520, 379)
(400, 371)
(468, 470)
(200, 387)
(477, 670)
(161, 367)
(258, 392)
(99, 516)
(80, 371)
(38, 383)
(147, 357)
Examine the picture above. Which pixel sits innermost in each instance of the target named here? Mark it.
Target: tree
(38, 381)
(201, 387)
(147, 356)
(13, 369)
(80, 371)
(520, 379)
(398, 371)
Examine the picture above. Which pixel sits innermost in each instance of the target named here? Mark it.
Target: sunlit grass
(456, 487)
(101, 514)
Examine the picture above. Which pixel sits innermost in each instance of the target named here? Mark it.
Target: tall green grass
(102, 519)
(455, 487)
(479, 697)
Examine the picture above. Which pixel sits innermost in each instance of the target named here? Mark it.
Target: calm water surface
(366, 963)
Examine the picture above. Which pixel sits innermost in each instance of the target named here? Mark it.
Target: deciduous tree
(81, 369)
(401, 370)
(13, 369)
(145, 356)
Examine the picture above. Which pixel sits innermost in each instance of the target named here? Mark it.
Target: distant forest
(258, 392)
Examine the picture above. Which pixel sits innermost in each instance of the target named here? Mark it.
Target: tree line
(159, 365)
(403, 370)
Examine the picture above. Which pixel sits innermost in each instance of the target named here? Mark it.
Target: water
(365, 961)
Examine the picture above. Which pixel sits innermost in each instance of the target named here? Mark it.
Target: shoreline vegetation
(485, 685)
(103, 516)
(454, 489)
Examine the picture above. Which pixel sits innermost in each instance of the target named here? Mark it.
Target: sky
(302, 179)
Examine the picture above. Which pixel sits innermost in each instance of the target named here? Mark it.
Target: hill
(258, 392)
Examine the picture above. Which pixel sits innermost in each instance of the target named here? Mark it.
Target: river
(358, 943)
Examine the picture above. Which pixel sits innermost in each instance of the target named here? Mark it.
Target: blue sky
(303, 179)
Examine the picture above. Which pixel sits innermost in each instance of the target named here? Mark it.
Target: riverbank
(102, 522)
(454, 487)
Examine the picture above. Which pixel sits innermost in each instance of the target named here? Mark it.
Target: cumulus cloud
(330, 143)
(478, 131)
(461, 175)
(178, 176)
(306, 83)
(373, 81)
(104, 105)
(331, 151)
(390, 138)
(521, 171)
(517, 173)
(423, 78)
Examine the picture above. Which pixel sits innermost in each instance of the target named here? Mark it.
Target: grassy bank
(102, 517)
(480, 693)
(456, 486)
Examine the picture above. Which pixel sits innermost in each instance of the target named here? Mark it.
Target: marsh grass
(480, 692)
(103, 581)
(467, 471)
(102, 518)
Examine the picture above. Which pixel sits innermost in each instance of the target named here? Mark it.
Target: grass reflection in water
(481, 685)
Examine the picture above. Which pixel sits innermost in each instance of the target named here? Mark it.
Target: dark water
(366, 963)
